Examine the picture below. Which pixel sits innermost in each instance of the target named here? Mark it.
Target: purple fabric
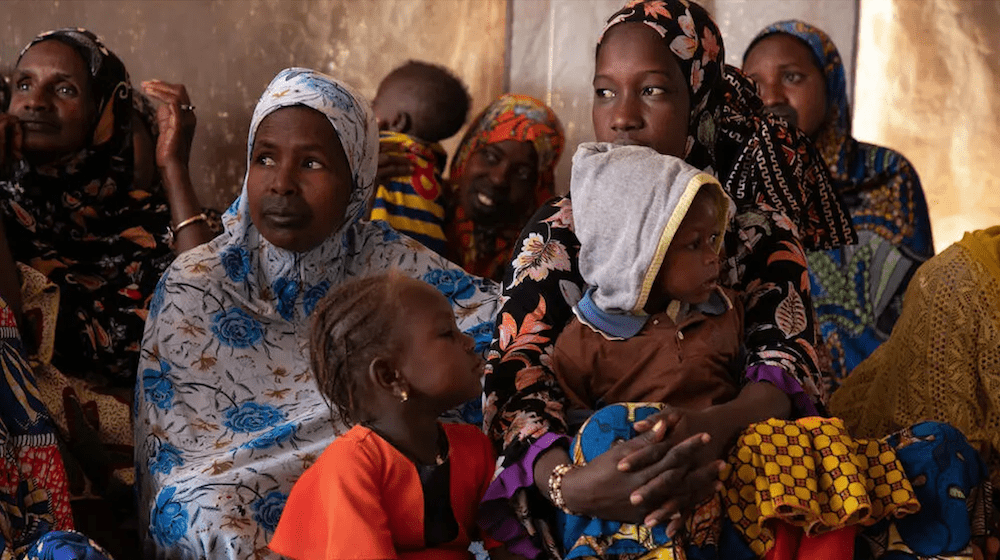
(496, 516)
(802, 405)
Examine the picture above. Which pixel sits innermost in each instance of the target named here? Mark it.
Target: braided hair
(351, 326)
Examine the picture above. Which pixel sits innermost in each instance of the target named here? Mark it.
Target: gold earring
(403, 396)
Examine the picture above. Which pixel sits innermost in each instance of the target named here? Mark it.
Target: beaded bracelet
(555, 486)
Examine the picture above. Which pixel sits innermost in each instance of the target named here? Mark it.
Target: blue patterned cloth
(227, 412)
(585, 537)
(588, 537)
(66, 545)
(944, 470)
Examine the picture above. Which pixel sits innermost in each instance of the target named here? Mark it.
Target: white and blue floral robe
(227, 415)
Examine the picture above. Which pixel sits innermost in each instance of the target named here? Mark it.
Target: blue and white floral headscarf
(227, 412)
(279, 280)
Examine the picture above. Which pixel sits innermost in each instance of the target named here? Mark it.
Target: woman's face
(299, 181)
(53, 100)
(640, 94)
(788, 80)
(498, 183)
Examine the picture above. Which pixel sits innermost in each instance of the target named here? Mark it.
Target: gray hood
(628, 202)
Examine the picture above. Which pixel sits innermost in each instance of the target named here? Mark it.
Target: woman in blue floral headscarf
(857, 289)
(227, 413)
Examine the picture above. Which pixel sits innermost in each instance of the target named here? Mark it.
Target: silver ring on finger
(186, 107)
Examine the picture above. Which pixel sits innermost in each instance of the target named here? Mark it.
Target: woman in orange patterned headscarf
(500, 175)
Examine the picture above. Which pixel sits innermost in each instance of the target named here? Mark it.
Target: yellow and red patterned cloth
(810, 473)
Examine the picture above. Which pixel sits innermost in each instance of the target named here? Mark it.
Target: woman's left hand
(176, 120)
(720, 428)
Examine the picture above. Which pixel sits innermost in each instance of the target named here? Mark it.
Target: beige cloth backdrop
(928, 85)
(226, 51)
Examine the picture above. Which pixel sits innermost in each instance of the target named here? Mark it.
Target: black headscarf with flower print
(81, 222)
(757, 157)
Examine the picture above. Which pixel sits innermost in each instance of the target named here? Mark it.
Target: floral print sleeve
(523, 407)
(767, 264)
(523, 398)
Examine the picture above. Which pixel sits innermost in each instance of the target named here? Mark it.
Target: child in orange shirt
(389, 358)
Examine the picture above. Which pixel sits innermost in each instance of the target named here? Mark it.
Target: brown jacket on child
(691, 363)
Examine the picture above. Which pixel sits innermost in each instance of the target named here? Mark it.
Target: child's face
(690, 269)
(438, 361)
(789, 82)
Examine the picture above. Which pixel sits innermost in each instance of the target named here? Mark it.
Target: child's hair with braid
(351, 326)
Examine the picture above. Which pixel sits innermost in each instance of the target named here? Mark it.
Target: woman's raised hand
(392, 163)
(176, 120)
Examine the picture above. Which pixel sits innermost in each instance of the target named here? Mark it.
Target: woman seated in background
(228, 415)
(857, 289)
(35, 516)
(501, 172)
(73, 212)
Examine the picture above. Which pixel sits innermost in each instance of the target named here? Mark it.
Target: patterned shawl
(755, 155)
(80, 222)
(882, 192)
(227, 413)
(485, 250)
(35, 515)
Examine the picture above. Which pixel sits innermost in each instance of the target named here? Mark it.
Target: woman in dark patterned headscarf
(661, 81)
(74, 214)
(857, 289)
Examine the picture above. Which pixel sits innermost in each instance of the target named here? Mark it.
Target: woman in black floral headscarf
(686, 104)
(71, 212)
(74, 214)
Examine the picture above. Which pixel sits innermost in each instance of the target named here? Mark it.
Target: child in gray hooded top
(654, 325)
